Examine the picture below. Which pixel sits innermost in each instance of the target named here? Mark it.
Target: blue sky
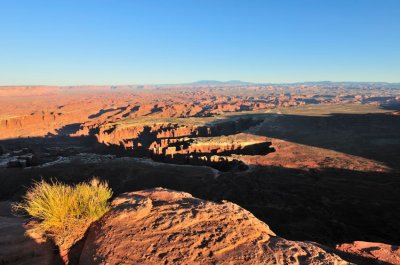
(169, 41)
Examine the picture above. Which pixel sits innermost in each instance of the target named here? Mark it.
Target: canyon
(318, 163)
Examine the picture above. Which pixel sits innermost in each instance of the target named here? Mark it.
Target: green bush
(65, 212)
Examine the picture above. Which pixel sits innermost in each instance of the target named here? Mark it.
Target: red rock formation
(292, 155)
(376, 251)
(161, 226)
(38, 111)
(128, 135)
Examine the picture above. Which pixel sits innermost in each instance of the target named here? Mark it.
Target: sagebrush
(64, 212)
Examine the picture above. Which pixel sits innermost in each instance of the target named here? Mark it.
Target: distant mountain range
(216, 82)
(339, 83)
(310, 83)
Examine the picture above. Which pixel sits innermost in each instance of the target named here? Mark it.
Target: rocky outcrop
(39, 123)
(161, 226)
(143, 135)
(216, 152)
(182, 142)
(387, 254)
(18, 158)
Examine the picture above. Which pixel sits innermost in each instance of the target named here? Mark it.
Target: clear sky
(64, 42)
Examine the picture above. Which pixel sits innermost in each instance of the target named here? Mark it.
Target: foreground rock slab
(161, 226)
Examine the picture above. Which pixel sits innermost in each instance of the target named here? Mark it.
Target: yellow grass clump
(65, 212)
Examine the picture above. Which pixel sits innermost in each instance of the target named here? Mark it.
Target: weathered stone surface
(161, 226)
(387, 254)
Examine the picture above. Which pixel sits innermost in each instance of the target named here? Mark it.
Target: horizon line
(217, 82)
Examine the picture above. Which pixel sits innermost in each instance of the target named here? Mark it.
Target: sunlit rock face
(386, 254)
(161, 226)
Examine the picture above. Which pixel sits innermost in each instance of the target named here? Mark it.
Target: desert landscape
(203, 173)
(200, 132)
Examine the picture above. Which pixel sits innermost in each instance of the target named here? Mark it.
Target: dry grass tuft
(65, 212)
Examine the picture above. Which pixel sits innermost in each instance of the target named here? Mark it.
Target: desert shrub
(63, 212)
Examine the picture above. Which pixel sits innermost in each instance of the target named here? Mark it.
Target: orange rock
(378, 251)
(161, 226)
